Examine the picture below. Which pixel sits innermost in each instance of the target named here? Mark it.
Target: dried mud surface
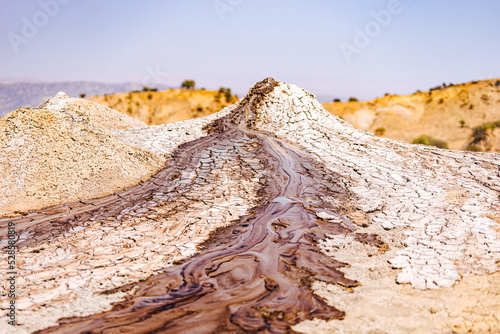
(273, 217)
(63, 152)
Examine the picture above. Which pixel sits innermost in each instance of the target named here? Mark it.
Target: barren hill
(63, 152)
(465, 116)
(271, 216)
(173, 105)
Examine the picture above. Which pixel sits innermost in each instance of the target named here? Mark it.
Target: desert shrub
(379, 131)
(353, 99)
(150, 96)
(479, 134)
(473, 148)
(462, 123)
(82, 95)
(228, 94)
(149, 89)
(441, 100)
(497, 83)
(430, 141)
(336, 100)
(471, 106)
(188, 84)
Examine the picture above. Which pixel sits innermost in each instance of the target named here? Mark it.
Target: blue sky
(332, 48)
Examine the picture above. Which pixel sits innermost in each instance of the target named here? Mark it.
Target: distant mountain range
(31, 94)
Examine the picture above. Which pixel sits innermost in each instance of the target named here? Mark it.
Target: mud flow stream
(254, 276)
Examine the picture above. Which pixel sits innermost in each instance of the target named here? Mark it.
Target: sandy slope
(436, 113)
(173, 105)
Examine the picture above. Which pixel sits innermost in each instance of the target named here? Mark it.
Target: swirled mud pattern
(255, 275)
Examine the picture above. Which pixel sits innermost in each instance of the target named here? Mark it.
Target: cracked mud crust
(298, 206)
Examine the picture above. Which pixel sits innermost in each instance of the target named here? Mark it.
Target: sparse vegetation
(188, 84)
(336, 100)
(444, 85)
(82, 95)
(441, 100)
(430, 141)
(353, 99)
(462, 123)
(227, 93)
(380, 131)
(149, 89)
(473, 148)
(480, 136)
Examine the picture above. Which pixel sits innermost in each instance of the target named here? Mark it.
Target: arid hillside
(173, 105)
(465, 116)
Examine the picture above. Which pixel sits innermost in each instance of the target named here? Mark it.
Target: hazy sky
(331, 48)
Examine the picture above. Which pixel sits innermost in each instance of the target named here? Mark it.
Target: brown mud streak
(254, 276)
(41, 226)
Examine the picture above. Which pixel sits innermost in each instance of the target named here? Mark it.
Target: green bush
(336, 100)
(379, 131)
(430, 141)
(479, 133)
(188, 84)
(462, 123)
(473, 148)
(353, 99)
(228, 94)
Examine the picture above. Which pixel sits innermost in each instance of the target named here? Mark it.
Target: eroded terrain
(279, 198)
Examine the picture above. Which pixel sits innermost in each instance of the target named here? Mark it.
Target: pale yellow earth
(436, 113)
(169, 106)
